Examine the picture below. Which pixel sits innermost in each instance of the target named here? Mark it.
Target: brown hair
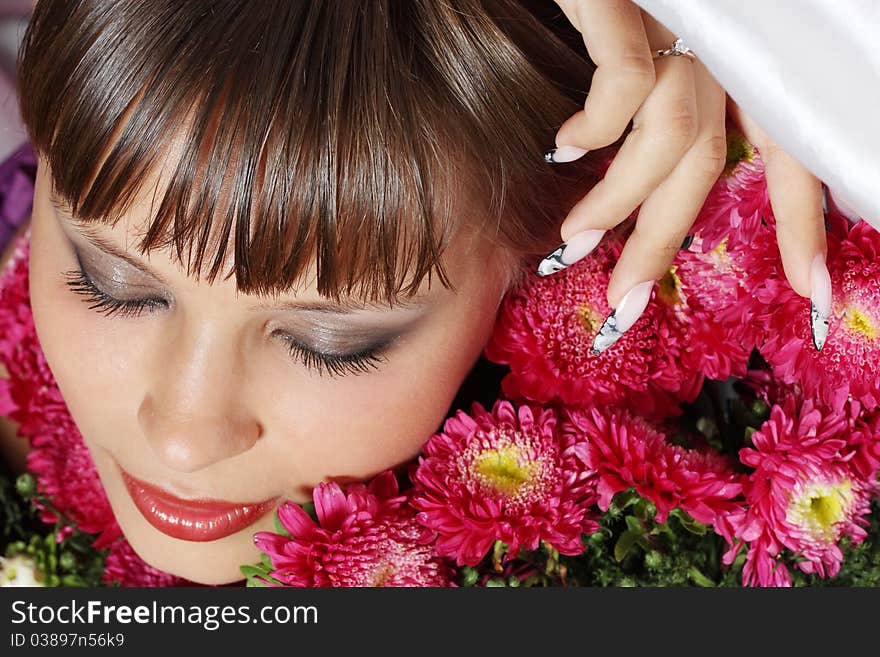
(361, 134)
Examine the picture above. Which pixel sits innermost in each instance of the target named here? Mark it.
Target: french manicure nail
(564, 154)
(568, 253)
(820, 300)
(623, 316)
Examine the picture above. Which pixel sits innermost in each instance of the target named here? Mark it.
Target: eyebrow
(343, 306)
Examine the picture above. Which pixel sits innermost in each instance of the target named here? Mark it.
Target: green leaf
(693, 526)
(760, 409)
(72, 580)
(533, 580)
(634, 525)
(628, 498)
(624, 545)
(309, 507)
(251, 571)
(469, 576)
(699, 578)
(279, 528)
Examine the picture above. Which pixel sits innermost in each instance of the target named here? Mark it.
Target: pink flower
(58, 456)
(509, 475)
(628, 451)
(738, 202)
(545, 332)
(849, 363)
(704, 288)
(366, 536)
(803, 495)
(862, 433)
(30, 397)
(123, 567)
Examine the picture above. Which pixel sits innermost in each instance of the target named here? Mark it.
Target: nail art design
(818, 326)
(568, 253)
(623, 317)
(608, 334)
(564, 154)
(820, 301)
(686, 243)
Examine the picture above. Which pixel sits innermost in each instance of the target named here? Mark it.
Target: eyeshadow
(342, 307)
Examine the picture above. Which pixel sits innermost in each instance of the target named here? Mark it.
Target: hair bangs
(344, 136)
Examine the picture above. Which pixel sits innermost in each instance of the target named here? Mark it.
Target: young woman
(268, 242)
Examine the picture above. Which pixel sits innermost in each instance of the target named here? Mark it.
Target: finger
(614, 34)
(664, 128)
(669, 212)
(796, 200)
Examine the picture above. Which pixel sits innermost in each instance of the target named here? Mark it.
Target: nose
(193, 413)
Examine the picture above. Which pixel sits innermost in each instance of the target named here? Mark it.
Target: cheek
(360, 425)
(90, 363)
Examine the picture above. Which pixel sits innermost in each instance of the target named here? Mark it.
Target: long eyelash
(80, 283)
(358, 363)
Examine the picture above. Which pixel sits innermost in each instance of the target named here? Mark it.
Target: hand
(673, 155)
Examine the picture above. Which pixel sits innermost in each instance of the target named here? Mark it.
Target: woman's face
(199, 394)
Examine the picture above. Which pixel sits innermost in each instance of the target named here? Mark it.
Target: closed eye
(333, 365)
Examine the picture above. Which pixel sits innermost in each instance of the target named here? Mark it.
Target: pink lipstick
(200, 519)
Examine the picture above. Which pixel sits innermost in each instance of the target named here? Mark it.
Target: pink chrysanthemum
(849, 363)
(58, 456)
(511, 475)
(739, 200)
(704, 289)
(628, 451)
(365, 536)
(803, 495)
(123, 567)
(862, 433)
(30, 397)
(545, 332)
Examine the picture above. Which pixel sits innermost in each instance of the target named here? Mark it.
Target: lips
(200, 519)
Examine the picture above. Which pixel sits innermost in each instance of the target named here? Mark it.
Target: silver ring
(677, 49)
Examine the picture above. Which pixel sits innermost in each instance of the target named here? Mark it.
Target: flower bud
(26, 485)
(67, 561)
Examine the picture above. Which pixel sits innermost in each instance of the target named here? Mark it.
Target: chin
(211, 563)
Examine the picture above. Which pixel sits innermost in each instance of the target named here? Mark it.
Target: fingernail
(568, 253)
(820, 300)
(564, 154)
(623, 317)
(686, 243)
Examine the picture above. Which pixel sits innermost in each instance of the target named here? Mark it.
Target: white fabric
(807, 71)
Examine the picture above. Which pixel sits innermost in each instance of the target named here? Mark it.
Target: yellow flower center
(738, 150)
(504, 470)
(820, 507)
(719, 257)
(590, 320)
(859, 322)
(382, 575)
(669, 288)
